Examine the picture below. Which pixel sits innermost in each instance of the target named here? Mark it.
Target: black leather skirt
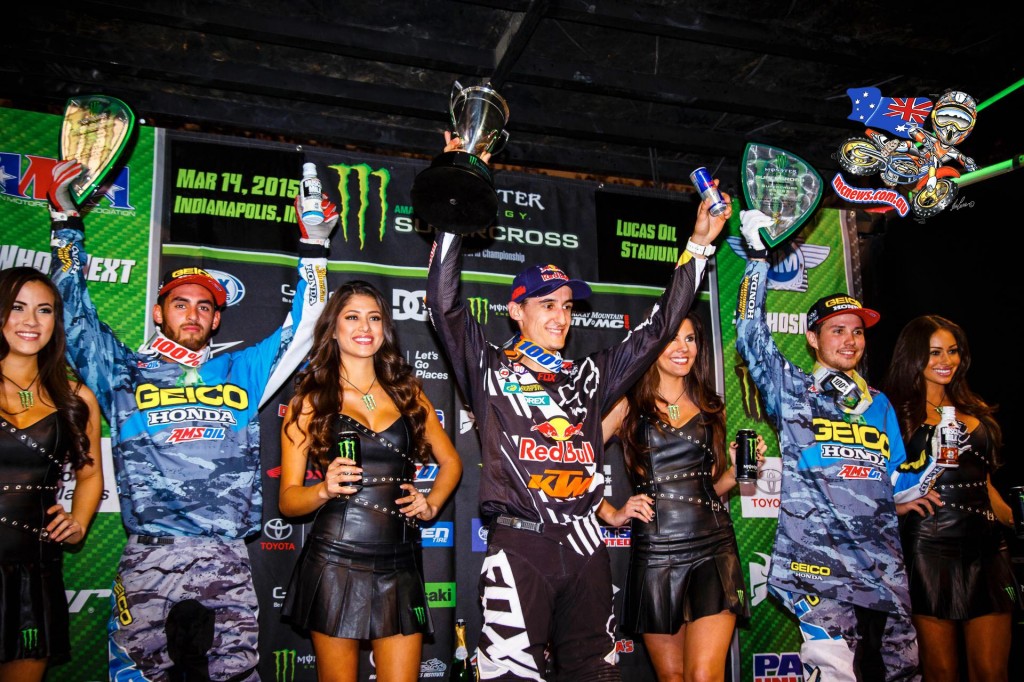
(959, 578)
(673, 581)
(33, 611)
(358, 590)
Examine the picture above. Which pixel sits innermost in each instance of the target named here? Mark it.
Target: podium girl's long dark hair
(320, 380)
(54, 373)
(700, 388)
(905, 384)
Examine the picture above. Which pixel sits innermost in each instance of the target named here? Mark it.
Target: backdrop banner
(225, 204)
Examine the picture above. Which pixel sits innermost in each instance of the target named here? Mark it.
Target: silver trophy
(456, 193)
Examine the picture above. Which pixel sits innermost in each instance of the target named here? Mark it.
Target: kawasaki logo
(358, 201)
(284, 665)
(478, 308)
(29, 638)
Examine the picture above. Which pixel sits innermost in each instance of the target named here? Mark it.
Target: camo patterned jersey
(186, 458)
(837, 536)
(540, 433)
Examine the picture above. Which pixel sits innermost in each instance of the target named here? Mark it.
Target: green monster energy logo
(29, 638)
(362, 174)
(420, 615)
(1011, 592)
(478, 308)
(347, 449)
(284, 665)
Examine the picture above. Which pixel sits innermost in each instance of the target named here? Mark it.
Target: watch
(706, 250)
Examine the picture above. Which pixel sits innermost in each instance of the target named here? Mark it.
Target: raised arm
(461, 336)
(92, 348)
(626, 362)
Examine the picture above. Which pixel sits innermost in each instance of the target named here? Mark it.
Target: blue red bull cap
(539, 280)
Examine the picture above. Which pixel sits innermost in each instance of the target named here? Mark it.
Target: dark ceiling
(645, 90)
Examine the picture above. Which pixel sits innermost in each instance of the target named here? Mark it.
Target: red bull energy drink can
(702, 180)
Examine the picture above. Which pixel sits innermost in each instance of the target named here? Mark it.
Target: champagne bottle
(311, 196)
(461, 670)
(949, 438)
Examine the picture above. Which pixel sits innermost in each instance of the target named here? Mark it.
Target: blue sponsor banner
(440, 534)
(479, 535)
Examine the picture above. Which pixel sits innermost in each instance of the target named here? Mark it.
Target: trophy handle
(456, 91)
(500, 142)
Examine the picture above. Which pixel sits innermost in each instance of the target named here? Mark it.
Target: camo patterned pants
(848, 643)
(185, 610)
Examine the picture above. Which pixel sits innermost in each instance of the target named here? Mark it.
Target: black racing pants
(540, 598)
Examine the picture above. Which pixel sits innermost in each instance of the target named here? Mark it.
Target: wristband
(706, 250)
(313, 248)
(757, 253)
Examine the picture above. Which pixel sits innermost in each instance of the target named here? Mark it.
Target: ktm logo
(357, 208)
(561, 484)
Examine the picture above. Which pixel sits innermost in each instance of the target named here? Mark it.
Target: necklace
(367, 398)
(938, 408)
(25, 395)
(673, 407)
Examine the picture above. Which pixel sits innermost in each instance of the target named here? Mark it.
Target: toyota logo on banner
(277, 529)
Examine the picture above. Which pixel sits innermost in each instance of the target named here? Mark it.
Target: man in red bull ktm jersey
(546, 580)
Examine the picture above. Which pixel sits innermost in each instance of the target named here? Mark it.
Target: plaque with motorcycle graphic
(782, 186)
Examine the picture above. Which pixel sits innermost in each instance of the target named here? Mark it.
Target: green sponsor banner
(118, 219)
(804, 269)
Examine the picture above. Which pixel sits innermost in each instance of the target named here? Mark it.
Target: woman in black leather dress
(956, 554)
(685, 587)
(360, 575)
(45, 422)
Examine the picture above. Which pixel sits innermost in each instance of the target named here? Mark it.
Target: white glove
(750, 223)
(59, 193)
(322, 231)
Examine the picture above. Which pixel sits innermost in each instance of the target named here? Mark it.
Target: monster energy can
(746, 456)
(348, 451)
(1017, 505)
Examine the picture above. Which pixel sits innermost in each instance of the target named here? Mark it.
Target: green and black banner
(226, 204)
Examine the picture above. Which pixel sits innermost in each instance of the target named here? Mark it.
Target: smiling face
(679, 356)
(188, 316)
(839, 342)
(359, 329)
(546, 319)
(943, 358)
(30, 321)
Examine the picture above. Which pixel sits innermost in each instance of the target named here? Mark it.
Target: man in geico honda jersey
(185, 440)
